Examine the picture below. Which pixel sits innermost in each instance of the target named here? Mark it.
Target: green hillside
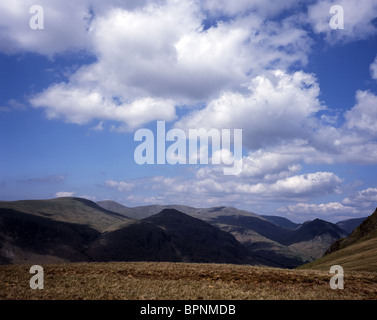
(70, 209)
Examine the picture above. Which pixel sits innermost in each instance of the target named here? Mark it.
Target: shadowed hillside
(28, 238)
(169, 236)
(350, 224)
(358, 251)
(282, 222)
(56, 230)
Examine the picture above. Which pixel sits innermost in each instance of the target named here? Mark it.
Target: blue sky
(73, 94)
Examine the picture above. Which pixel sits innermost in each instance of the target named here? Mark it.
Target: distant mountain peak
(171, 213)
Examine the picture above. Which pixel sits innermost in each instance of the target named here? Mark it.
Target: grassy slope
(143, 280)
(361, 256)
(357, 252)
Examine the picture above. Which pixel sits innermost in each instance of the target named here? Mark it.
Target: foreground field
(178, 281)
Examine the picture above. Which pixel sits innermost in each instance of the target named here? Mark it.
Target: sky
(78, 79)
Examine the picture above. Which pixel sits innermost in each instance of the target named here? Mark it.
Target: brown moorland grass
(180, 281)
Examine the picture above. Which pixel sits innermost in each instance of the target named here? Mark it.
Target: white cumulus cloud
(277, 106)
(363, 198)
(65, 194)
(358, 19)
(357, 204)
(373, 69)
(80, 106)
(363, 116)
(159, 56)
(119, 185)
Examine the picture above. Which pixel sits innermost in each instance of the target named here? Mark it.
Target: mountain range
(75, 229)
(277, 240)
